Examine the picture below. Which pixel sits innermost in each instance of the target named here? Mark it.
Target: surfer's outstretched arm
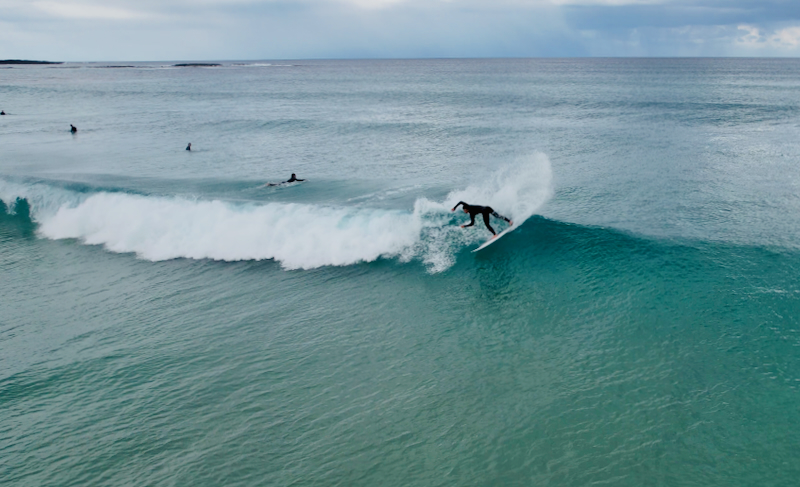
(471, 221)
(293, 179)
(459, 204)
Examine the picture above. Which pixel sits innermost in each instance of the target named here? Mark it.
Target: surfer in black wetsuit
(72, 128)
(483, 210)
(293, 179)
(189, 147)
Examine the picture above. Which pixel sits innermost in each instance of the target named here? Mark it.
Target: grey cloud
(680, 14)
(282, 29)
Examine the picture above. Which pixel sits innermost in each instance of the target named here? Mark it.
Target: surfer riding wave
(474, 210)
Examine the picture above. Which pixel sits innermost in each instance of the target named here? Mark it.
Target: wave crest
(299, 236)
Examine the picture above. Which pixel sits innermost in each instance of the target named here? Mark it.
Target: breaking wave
(299, 236)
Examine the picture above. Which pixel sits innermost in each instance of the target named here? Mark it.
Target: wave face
(299, 236)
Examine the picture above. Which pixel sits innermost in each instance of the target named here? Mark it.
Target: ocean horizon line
(402, 58)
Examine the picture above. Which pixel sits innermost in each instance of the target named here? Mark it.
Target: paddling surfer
(292, 179)
(482, 210)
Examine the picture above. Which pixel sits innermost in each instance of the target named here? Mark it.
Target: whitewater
(299, 236)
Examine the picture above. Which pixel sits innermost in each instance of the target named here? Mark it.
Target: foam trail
(299, 236)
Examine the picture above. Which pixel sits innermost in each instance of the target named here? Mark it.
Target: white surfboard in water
(495, 238)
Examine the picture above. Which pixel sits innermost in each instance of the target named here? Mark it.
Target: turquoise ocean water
(167, 319)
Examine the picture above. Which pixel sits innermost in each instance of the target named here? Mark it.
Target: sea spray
(516, 190)
(299, 236)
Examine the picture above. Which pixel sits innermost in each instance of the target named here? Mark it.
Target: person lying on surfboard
(483, 210)
(292, 179)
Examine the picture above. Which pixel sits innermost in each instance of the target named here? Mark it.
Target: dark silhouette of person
(72, 128)
(189, 147)
(2, 112)
(482, 210)
(293, 179)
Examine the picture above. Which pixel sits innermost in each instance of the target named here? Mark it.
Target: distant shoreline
(25, 61)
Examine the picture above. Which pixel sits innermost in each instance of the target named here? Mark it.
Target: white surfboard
(495, 238)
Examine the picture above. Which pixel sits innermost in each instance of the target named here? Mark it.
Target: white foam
(515, 190)
(299, 236)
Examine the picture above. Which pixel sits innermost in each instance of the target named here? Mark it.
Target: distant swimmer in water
(483, 210)
(2, 112)
(72, 128)
(292, 179)
(189, 147)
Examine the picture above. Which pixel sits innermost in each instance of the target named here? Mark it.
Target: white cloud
(787, 38)
(606, 3)
(374, 4)
(751, 37)
(88, 11)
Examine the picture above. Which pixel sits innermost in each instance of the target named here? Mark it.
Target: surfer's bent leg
(497, 215)
(486, 222)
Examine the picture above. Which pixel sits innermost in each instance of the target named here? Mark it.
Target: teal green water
(166, 320)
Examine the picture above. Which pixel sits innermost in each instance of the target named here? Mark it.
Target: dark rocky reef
(25, 61)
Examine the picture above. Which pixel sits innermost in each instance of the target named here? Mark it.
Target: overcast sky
(156, 30)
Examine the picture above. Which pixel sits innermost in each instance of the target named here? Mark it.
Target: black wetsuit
(72, 128)
(483, 210)
(293, 179)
